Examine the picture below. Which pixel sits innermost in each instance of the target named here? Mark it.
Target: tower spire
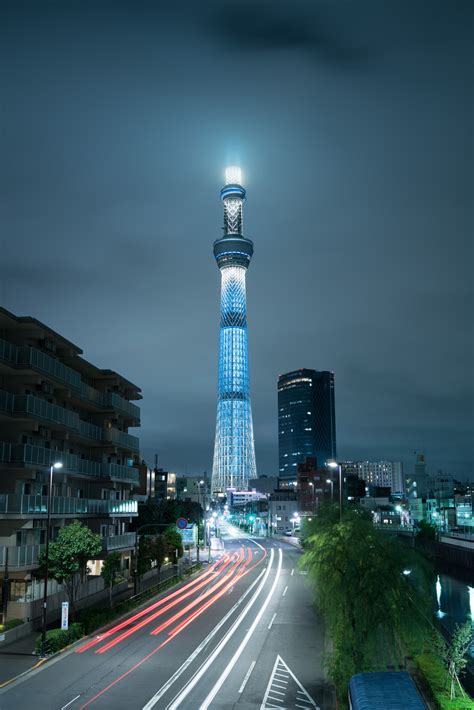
(234, 454)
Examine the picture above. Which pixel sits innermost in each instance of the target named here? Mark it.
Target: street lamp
(334, 464)
(199, 484)
(56, 466)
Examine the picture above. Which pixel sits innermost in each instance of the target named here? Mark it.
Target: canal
(454, 604)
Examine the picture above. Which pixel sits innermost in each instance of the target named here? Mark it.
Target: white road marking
(159, 694)
(292, 572)
(178, 699)
(210, 697)
(278, 667)
(285, 591)
(70, 702)
(247, 676)
(271, 622)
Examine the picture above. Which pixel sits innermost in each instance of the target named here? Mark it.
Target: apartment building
(57, 407)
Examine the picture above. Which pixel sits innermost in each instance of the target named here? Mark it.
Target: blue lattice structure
(234, 453)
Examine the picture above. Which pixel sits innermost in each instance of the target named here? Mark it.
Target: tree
(453, 655)
(371, 608)
(68, 557)
(159, 551)
(425, 531)
(110, 571)
(173, 541)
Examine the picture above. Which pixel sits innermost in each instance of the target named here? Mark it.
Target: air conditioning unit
(47, 387)
(44, 432)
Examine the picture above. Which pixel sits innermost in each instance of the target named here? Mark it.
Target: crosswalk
(285, 692)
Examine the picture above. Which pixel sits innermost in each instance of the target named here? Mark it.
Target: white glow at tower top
(233, 175)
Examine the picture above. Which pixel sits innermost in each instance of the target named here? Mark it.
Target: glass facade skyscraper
(234, 453)
(306, 419)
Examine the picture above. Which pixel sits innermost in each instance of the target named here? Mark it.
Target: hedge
(435, 675)
(56, 639)
(11, 624)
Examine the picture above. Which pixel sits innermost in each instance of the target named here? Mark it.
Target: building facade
(306, 419)
(382, 473)
(55, 407)
(234, 454)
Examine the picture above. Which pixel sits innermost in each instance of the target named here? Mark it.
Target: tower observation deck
(234, 453)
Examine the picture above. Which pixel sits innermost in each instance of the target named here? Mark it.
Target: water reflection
(439, 613)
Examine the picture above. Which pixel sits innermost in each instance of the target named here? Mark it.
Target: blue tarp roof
(384, 691)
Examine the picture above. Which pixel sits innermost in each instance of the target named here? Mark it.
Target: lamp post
(334, 464)
(56, 466)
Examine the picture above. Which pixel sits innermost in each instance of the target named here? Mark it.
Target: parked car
(288, 533)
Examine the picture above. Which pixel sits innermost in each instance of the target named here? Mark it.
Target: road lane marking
(271, 622)
(70, 702)
(291, 698)
(159, 694)
(204, 667)
(285, 591)
(210, 697)
(247, 676)
(292, 573)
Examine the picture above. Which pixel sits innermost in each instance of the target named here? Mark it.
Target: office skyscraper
(234, 454)
(306, 419)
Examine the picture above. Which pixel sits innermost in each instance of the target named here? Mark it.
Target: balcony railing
(122, 473)
(120, 437)
(93, 395)
(6, 401)
(91, 431)
(14, 504)
(114, 400)
(42, 409)
(119, 542)
(49, 365)
(21, 556)
(40, 456)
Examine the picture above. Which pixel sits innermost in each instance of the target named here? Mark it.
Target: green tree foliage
(167, 512)
(372, 610)
(426, 531)
(111, 571)
(68, 557)
(173, 542)
(453, 654)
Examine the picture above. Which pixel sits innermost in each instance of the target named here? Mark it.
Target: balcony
(91, 431)
(21, 556)
(115, 401)
(38, 360)
(115, 471)
(119, 542)
(126, 441)
(14, 505)
(91, 394)
(8, 352)
(40, 456)
(40, 408)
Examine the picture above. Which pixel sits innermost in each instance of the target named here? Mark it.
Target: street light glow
(58, 464)
(332, 464)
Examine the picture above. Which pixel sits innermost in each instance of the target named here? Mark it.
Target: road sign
(188, 534)
(65, 616)
(181, 523)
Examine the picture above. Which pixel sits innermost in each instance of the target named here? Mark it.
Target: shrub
(11, 624)
(436, 677)
(92, 619)
(56, 639)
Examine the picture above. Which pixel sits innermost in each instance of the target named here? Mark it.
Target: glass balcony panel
(112, 399)
(124, 473)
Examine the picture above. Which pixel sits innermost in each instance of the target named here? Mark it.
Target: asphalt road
(242, 634)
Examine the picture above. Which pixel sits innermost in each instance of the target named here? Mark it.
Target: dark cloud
(353, 125)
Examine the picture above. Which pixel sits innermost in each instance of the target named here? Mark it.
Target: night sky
(352, 122)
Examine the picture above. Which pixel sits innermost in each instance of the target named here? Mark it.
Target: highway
(241, 634)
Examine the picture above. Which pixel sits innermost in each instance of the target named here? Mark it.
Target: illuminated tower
(234, 454)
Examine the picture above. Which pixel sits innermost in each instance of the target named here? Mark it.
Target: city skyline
(111, 210)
